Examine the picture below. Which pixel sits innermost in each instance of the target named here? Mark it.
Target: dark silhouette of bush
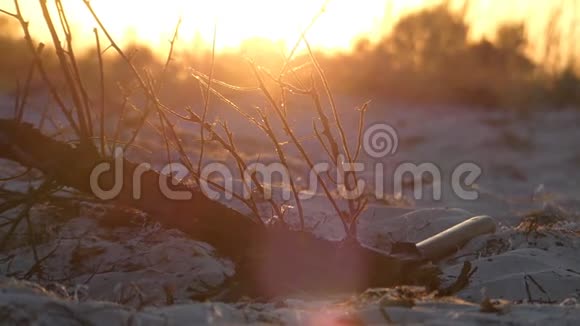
(566, 89)
(428, 58)
(15, 57)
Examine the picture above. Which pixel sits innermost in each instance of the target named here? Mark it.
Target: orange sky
(152, 21)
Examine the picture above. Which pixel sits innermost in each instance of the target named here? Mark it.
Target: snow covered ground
(27, 304)
(112, 266)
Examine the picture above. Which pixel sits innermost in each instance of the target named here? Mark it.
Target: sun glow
(153, 22)
(342, 23)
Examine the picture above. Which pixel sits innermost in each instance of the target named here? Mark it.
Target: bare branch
(207, 97)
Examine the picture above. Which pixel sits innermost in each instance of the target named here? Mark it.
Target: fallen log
(269, 260)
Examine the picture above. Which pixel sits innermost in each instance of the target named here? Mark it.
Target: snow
(26, 303)
(116, 267)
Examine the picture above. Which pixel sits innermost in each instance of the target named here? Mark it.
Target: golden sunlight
(338, 28)
(153, 22)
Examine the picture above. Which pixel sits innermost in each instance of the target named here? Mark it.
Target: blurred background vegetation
(428, 58)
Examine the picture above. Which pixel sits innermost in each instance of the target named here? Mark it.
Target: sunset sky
(343, 22)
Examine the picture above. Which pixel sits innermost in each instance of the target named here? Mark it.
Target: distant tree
(511, 43)
(429, 36)
(512, 37)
